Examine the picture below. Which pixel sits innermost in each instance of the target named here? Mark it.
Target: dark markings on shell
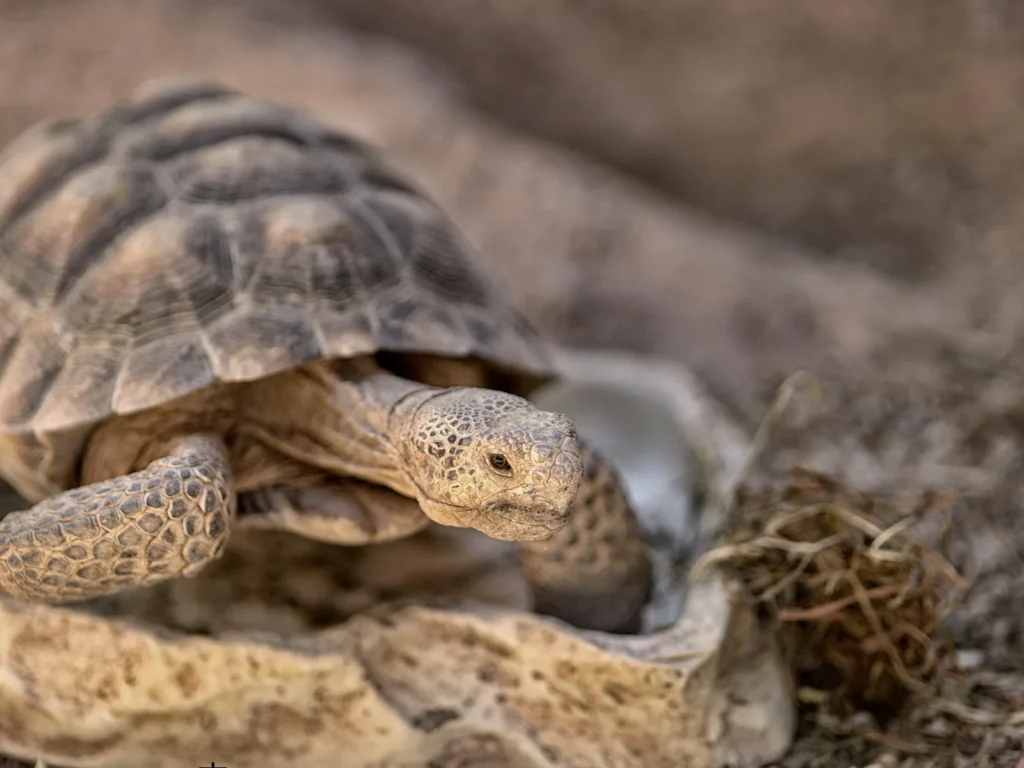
(385, 180)
(440, 265)
(167, 100)
(417, 324)
(55, 175)
(256, 343)
(209, 244)
(195, 235)
(256, 182)
(41, 362)
(146, 198)
(169, 147)
(157, 371)
(372, 252)
(82, 392)
(343, 144)
(209, 288)
(396, 222)
(8, 345)
(249, 248)
(484, 333)
(402, 310)
(332, 276)
(60, 126)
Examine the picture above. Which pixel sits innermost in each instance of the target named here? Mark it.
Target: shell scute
(193, 235)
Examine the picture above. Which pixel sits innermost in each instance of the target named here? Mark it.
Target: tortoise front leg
(596, 572)
(168, 520)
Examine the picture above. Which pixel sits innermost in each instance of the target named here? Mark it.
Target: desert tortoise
(216, 311)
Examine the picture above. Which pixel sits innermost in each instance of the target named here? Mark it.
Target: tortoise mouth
(505, 518)
(509, 519)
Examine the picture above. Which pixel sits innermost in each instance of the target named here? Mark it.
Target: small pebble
(864, 721)
(970, 658)
(939, 728)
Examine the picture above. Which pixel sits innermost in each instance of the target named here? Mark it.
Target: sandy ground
(905, 298)
(873, 132)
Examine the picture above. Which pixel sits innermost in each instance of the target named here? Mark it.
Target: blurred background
(747, 188)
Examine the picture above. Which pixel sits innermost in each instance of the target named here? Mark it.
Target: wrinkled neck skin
(346, 417)
(343, 417)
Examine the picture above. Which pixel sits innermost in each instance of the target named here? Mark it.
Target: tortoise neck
(347, 417)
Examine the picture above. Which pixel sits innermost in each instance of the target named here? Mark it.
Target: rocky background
(747, 188)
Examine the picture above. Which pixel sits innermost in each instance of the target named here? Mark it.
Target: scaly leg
(595, 573)
(168, 520)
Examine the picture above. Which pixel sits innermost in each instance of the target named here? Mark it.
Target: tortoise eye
(499, 462)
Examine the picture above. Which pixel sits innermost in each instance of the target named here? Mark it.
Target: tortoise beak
(523, 515)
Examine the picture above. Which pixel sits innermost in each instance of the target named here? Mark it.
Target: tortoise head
(492, 461)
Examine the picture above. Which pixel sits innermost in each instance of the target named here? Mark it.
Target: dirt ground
(874, 133)
(780, 204)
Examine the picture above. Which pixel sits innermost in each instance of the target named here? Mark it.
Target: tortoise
(218, 312)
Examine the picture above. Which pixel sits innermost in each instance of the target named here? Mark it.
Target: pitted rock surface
(395, 686)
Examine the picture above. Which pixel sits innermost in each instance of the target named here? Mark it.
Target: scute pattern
(548, 445)
(193, 235)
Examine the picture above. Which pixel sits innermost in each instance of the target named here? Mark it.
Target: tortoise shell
(193, 235)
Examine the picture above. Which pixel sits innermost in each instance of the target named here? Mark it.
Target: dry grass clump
(857, 587)
(859, 597)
